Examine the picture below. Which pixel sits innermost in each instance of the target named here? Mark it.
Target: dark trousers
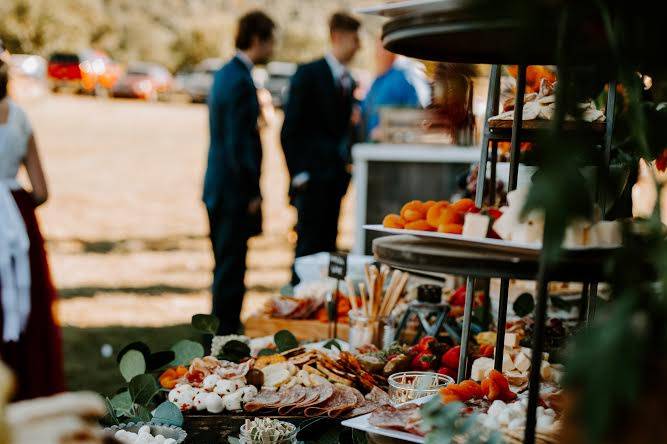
(229, 239)
(318, 209)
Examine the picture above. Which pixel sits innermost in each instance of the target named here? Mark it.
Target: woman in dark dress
(31, 343)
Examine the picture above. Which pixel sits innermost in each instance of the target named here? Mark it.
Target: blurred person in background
(317, 136)
(231, 185)
(31, 340)
(391, 88)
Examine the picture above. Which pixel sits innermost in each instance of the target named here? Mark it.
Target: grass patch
(87, 369)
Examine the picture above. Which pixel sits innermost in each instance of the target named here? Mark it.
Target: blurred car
(197, 83)
(142, 80)
(88, 72)
(278, 81)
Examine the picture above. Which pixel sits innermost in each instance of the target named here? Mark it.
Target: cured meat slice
(397, 418)
(317, 395)
(292, 396)
(312, 394)
(341, 400)
(350, 401)
(264, 399)
(378, 396)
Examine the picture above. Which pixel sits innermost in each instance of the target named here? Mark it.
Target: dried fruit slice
(420, 225)
(450, 228)
(434, 213)
(463, 205)
(393, 221)
(413, 210)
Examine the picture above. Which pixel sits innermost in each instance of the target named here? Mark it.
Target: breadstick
(371, 294)
(352, 295)
(362, 292)
(395, 277)
(398, 291)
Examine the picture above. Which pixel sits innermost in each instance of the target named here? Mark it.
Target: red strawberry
(451, 358)
(423, 362)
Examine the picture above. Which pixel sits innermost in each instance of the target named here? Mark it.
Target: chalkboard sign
(337, 265)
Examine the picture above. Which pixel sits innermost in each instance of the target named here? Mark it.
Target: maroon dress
(37, 358)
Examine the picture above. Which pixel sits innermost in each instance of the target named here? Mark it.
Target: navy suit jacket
(316, 131)
(235, 151)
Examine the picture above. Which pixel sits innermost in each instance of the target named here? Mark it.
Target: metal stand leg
(603, 176)
(517, 124)
(592, 302)
(494, 181)
(502, 320)
(465, 334)
(486, 312)
(536, 357)
(583, 303)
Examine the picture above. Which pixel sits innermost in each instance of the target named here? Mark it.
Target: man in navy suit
(316, 138)
(231, 185)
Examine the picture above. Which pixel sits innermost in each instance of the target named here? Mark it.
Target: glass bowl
(408, 386)
(245, 438)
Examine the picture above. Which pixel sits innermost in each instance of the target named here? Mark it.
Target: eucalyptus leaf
(233, 440)
(122, 404)
(143, 389)
(139, 346)
(330, 344)
(132, 364)
(186, 351)
(285, 340)
(524, 305)
(159, 360)
(267, 352)
(236, 348)
(111, 411)
(142, 414)
(168, 413)
(205, 323)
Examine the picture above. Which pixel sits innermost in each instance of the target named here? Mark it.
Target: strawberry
(458, 298)
(425, 343)
(494, 213)
(423, 362)
(448, 372)
(451, 358)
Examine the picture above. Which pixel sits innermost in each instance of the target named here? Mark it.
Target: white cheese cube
(480, 368)
(522, 362)
(511, 340)
(475, 225)
(508, 364)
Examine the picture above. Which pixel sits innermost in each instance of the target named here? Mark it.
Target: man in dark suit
(316, 138)
(231, 185)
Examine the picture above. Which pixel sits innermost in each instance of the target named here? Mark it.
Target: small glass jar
(245, 437)
(364, 330)
(408, 386)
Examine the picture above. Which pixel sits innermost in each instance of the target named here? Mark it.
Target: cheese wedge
(476, 225)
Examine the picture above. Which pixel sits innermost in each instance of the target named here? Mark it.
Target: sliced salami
(378, 396)
(347, 402)
(390, 417)
(312, 395)
(292, 396)
(263, 400)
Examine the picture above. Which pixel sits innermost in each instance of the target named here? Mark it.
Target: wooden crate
(304, 329)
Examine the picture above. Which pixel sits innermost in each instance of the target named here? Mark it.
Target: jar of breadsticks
(370, 318)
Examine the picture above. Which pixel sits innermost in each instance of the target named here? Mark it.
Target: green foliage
(143, 388)
(132, 364)
(185, 352)
(330, 344)
(446, 423)
(267, 352)
(122, 404)
(168, 413)
(205, 323)
(235, 351)
(524, 305)
(285, 340)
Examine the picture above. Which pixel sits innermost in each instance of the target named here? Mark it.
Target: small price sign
(337, 265)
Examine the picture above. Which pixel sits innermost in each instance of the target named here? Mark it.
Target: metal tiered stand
(450, 33)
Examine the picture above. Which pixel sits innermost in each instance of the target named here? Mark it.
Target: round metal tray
(432, 255)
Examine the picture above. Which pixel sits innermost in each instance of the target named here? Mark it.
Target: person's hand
(255, 205)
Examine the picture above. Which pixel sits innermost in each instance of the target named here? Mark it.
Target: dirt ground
(127, 233)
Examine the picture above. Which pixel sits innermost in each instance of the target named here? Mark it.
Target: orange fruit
(463, 205)
(450, 216)
(450, 228)
(420, 225)
(434, 212)
(427, 205)
(415, 207)
(393, 221)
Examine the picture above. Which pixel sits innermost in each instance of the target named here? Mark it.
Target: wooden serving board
(304, 329)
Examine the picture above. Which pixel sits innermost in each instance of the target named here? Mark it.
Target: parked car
(142, 80)
(196, 84)
(87, 72)
(278, 81)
